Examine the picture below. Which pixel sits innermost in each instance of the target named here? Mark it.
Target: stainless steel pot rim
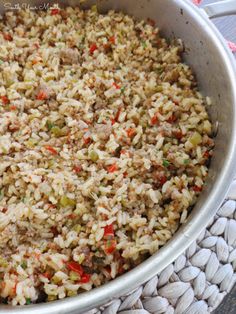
(142, 273)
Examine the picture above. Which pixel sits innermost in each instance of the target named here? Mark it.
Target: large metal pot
(215, 69)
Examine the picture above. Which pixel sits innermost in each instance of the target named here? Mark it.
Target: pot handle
(221, 8)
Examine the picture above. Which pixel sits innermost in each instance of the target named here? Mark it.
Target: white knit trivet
(197, 281)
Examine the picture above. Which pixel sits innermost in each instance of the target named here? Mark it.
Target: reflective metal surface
(214, 66)
(221, 8)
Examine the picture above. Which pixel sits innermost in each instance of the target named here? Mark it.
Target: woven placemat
(197, 281)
